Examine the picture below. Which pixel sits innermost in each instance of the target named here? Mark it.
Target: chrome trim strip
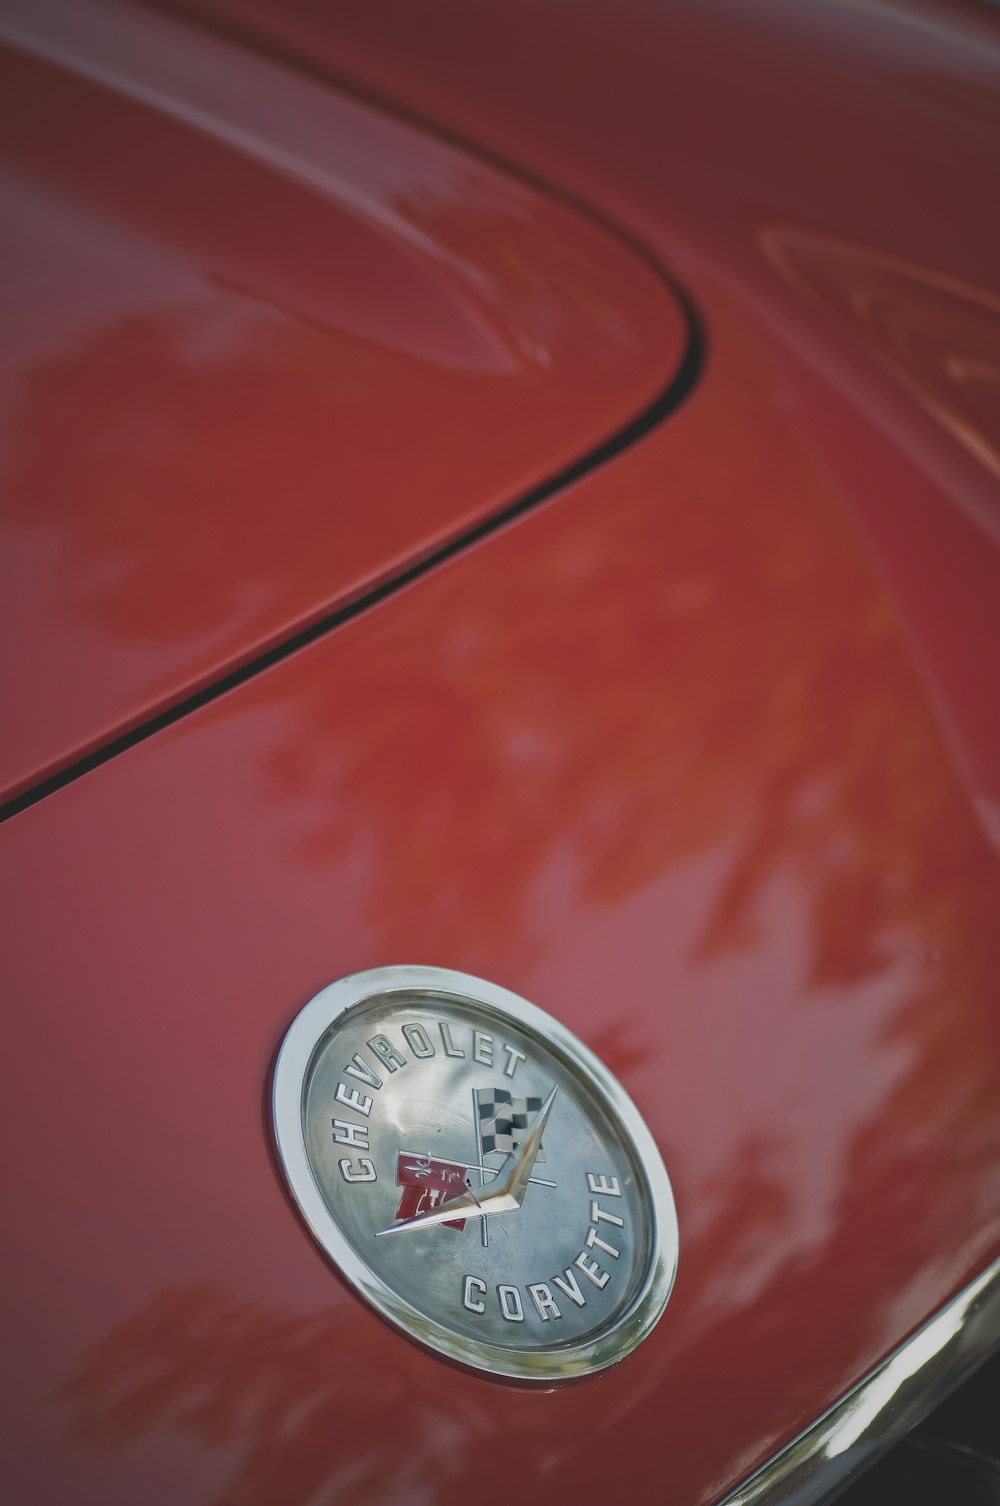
(888, 1403)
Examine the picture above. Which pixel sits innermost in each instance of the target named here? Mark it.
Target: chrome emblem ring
(475, 1172)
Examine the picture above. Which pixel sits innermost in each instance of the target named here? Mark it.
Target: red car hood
(696, 756)
(266, 348)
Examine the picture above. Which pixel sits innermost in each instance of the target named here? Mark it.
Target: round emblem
(476, 1172)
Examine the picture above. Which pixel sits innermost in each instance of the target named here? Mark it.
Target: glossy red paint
(702, 756)
(826, 168)
(661, 757)
(264, 346)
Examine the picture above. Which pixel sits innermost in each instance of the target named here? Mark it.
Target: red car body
(512, 488)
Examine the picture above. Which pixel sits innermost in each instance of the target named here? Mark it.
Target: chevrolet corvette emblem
(475, 1172)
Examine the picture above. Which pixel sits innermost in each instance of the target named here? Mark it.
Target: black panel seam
(681, 383)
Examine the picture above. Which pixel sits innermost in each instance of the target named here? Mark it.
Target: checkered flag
(504, 1120)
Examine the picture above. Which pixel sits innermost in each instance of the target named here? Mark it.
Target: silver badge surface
(475, 1172)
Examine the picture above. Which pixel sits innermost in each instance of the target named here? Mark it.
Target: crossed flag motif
(504, 1120)
(501, 1123)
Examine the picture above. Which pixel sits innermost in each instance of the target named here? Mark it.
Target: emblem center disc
(475, 1172)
